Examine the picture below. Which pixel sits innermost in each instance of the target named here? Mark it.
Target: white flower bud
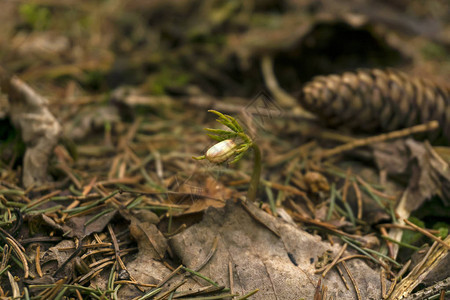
(220, 152)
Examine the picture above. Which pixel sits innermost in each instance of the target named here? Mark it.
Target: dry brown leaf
(426, 173)
(260, 259)
(213, 193)
(76, 227)
(316, 182)
(39, 128)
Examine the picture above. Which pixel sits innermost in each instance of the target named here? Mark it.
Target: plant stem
(254, 181)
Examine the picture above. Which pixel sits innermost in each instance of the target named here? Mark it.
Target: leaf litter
(120, 210)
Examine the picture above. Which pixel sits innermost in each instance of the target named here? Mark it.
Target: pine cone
(377, 100)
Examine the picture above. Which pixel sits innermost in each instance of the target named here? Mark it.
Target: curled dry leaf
(427, 173)
(55, 257)
(39, 128)
(83, 225)
(213, 193)
(150, 240)
(147, 267)
(316, 182)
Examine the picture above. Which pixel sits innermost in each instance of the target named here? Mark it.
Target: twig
(92, 273)
(332, 202)
(150, 293)
(389, 239)
(14, 286)
(318, 290)
(248, 295)
(116, 247)
(7, 235)
(272, 84)
(352, 257)
(200, 291)
(364, 252)
(165, 279)
(328, 268)
(426, 233)
(404, 269)
(72, 256)
(152, 242)
(134, 283)
(426, 293)
(20, 254)
(258, 219)
(59, 285)
(173, 288)
(358, 199)
(256, 174)
(433, 125)
(375, 191)
(343, 278)
(210, 254)
(200, 275)
(38, 261)
(355, 285)
(230, 272)
(400, 226)
(6, 253)
(402, 289)
(383, 283)
(40, 200)
(346, 184)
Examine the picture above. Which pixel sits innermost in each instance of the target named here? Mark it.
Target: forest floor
(104, 104)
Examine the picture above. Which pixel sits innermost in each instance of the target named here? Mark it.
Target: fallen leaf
(260, 259)
(426, 173)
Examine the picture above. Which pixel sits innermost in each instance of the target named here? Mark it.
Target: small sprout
(227, 147)
(221, 151)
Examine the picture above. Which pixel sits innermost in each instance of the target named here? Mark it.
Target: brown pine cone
(377, 100)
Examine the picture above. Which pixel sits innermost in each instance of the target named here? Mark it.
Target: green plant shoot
(233, 144)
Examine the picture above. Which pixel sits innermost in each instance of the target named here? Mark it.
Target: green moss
(158, 83)
(412, 237)
(443, 229)
(434, 51)
(35, 16)
(266, 21)
(93, 80)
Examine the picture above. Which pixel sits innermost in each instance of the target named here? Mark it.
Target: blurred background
(179, 47)
(130, 82)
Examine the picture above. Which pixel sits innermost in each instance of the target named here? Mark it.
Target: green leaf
(220, 131)
(242, 147)
(236, 125)
(223, 135)
(443, 229)
(443, 232)
(226, 120)
(238, 157)
(216, 138)
(219, 114)
(411, 237)
(199, 157)
(227, 123)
